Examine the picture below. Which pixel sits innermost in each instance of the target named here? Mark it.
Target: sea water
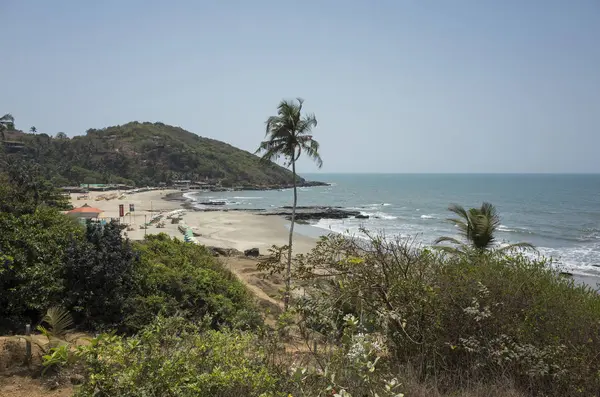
(559, 214)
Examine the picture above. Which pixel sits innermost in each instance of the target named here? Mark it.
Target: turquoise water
(559, 214)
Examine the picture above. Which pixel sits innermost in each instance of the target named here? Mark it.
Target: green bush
(101, 277)
(183, 278)
(172, 357)
(31, 280)
(457, 319)
(47, 258)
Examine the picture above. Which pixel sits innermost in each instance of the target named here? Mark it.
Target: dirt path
(18, 380)
(267, 291)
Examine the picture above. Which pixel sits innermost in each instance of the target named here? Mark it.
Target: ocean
(559, 214)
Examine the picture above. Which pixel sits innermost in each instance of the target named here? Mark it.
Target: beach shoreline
(240, 230)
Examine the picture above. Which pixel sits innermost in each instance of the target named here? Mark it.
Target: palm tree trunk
(288, 272)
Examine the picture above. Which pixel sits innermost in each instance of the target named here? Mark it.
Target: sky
(396, 85)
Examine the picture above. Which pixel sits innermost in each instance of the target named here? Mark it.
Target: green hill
(142, 154)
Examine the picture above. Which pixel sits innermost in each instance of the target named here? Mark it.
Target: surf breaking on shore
(405, 222)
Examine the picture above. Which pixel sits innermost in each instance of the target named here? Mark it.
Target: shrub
(183, 278)
(457, 319)
(31, 277)
(173, 357)
(100, 277)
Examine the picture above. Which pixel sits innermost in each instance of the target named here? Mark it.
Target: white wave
(379, 215)
(428, 217)
(189, 196)
(504, 228)
(247, 198)
(378, 205)
(350, 227)
(340, 226)
(581, 260)
(590, 234)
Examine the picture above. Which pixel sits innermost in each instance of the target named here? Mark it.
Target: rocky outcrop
(314, 213)
(218, 251)
(213, 202)
(252, 252)
(361, 216)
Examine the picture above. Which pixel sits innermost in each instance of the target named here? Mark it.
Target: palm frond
(272, 123)
(288, 135)
(306, 124)
(459, 210)
(446, 239)
(312, 151)
(514, 246)
(450, 250)
(59, 320)
(478, 226)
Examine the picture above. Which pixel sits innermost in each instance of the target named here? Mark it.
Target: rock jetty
(313, 213)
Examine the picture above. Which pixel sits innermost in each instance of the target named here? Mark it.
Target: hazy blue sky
(397, 86)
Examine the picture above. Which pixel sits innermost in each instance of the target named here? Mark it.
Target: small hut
(85, 212)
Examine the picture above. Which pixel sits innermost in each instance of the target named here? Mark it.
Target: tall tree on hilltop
(33, 130)
(478, 227)
(289, 135)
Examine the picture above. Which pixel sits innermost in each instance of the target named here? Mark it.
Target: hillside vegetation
(141, 154)
(382, 317)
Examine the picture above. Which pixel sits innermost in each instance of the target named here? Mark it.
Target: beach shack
(85, 212)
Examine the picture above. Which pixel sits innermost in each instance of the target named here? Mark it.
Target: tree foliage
(100, 277)
(458, 319)
(144, 154)
(23, 189)
(7, 122)
(289, 135)
(185, 279)
(31, 280)
(477, 227)
(173, 357)
(105, 281)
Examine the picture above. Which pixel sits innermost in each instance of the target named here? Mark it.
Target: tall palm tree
(289, 135)
(477, 226)
(33, 130)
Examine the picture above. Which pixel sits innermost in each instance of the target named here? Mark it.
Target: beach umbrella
(86, 212)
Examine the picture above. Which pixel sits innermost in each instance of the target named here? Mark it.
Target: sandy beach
(226, 229)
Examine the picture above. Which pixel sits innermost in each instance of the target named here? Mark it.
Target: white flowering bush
(354, 368)
(487, 317)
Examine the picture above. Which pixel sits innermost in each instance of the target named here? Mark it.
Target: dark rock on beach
(314, 213)
(213, 202)
(253, 252)
(218, 251)
(361, 216)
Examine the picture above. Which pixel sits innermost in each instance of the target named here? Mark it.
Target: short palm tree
(477, 226)
(289, 136)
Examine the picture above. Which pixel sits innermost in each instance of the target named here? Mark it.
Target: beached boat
(175, 214)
